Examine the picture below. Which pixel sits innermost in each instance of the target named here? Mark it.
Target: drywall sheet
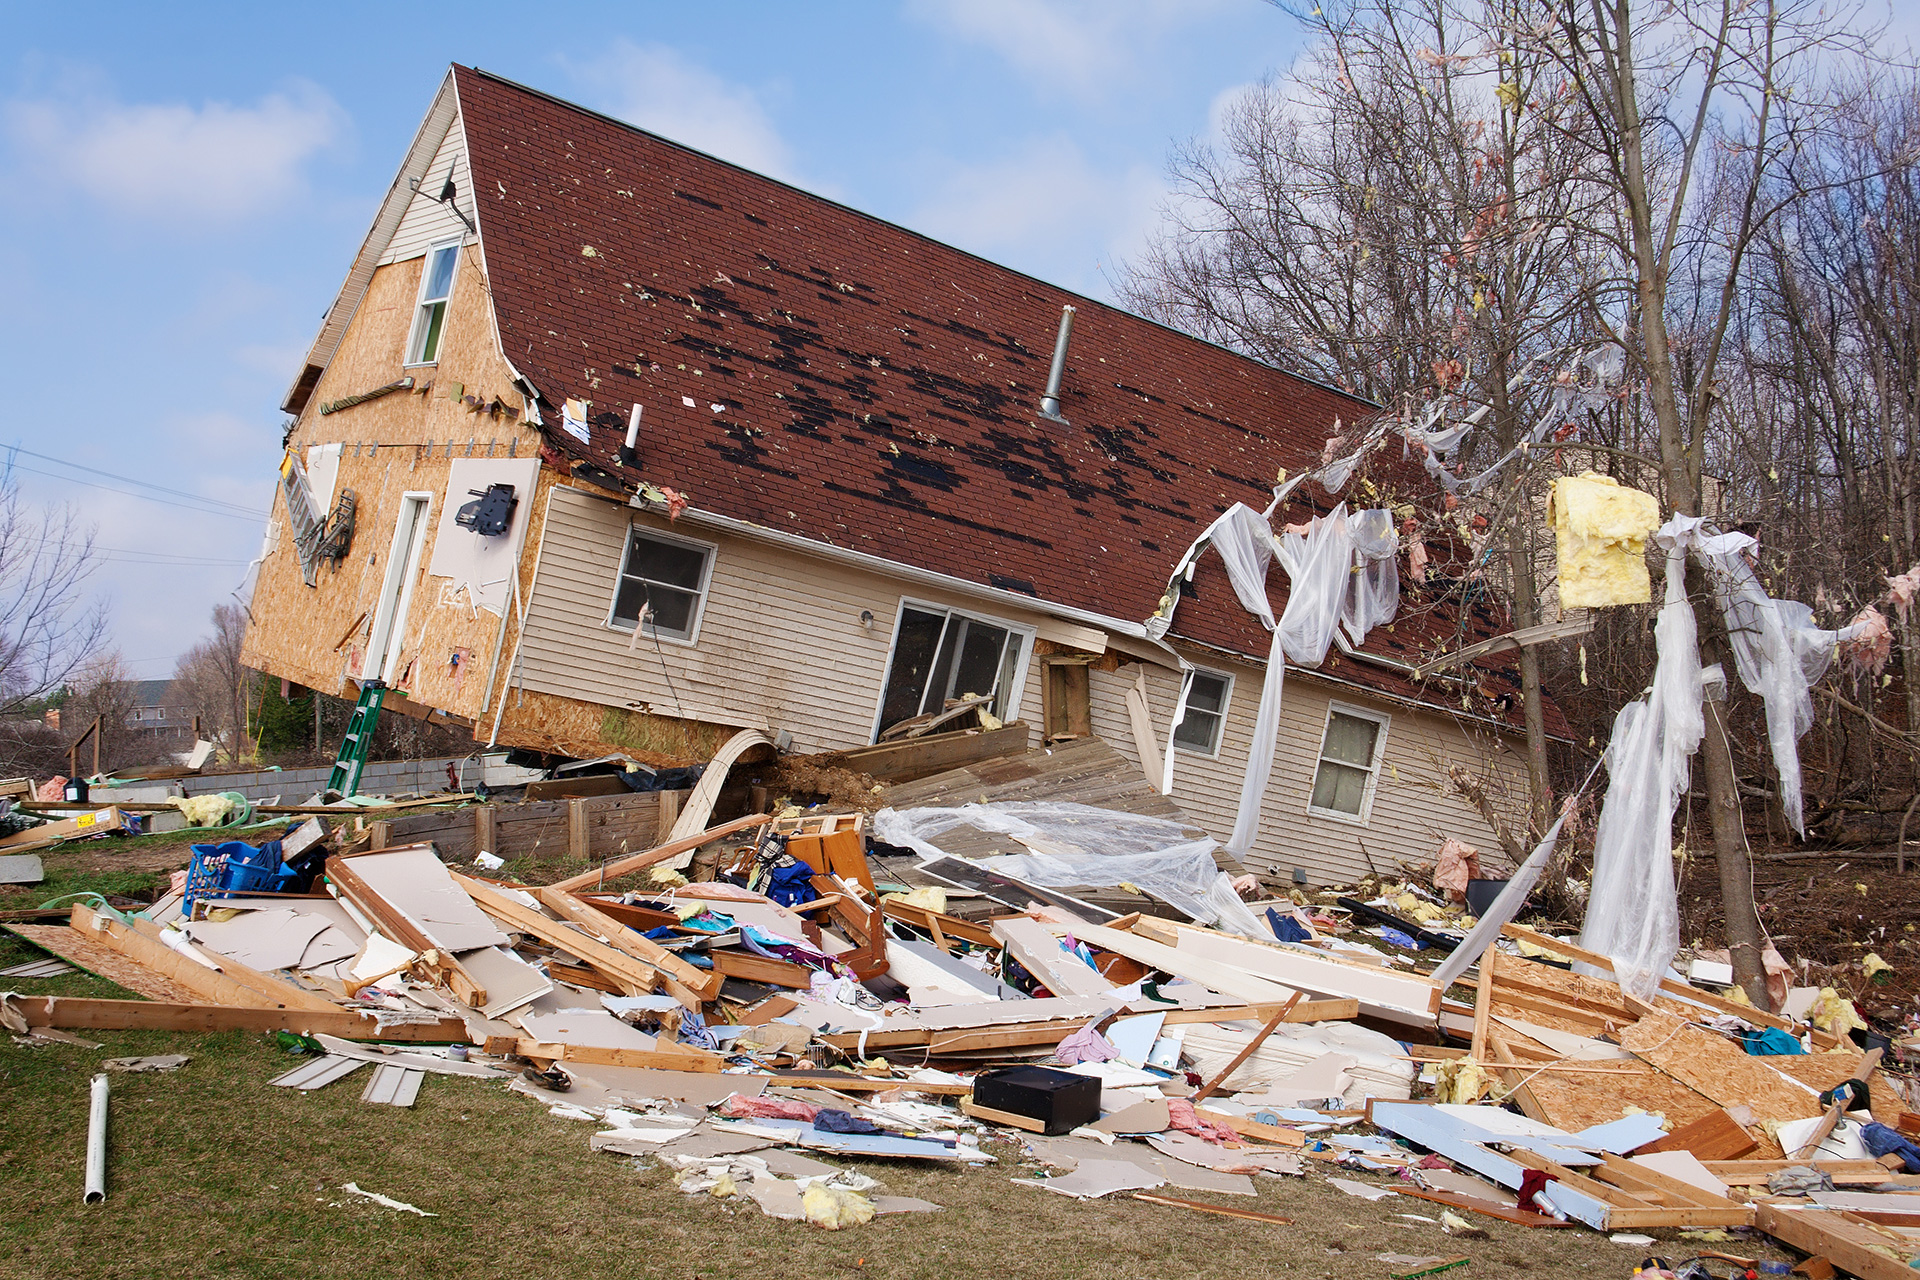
(269, 940)
(415, 883)
(482, 568)
(595, 1027)
(508, 980)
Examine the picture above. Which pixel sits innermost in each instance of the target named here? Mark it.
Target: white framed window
(665, 579)
(941, 653)
(430, 312)
(1351, 748)
(1205, 723)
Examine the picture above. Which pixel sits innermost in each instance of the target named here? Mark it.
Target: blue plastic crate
(232, 867)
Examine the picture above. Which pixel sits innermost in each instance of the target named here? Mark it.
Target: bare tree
(212, 680)
(50, 626)
(103, 689)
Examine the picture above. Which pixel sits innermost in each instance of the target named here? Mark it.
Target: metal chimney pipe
(628, 458)
(1050, 402)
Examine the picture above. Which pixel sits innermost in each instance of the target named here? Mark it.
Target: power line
(251, 517)
(146, 486)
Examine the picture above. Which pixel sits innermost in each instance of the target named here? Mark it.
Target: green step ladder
(358, 739)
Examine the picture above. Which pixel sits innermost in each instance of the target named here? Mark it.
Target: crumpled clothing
(1287, 928)
(1532, 1183)
(829, 1120)
(1882, 1141)
(1771, 1040)
(1798, 1180)
(1457, 864)
(693, 1031)
(1085, 1045)
(739, 1106)
(1400, 939)
(1182, 1116)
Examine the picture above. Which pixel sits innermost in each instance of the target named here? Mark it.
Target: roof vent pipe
(1050, 402)
(628, 458)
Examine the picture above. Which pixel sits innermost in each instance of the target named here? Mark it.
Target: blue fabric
(1882, 1141)
(1772, 1041)
(1400, 939)
(791, 884)
(1286, 928)
(832, 1121)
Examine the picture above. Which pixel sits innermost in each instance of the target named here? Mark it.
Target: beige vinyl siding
(1412, 810)
(780, 643)
(428, 222)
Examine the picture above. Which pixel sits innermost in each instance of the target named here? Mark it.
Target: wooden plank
(951, 926)
(1825, 1233)
(680, 975)
(77, 1014)
(397, 928)
(922, 757)
(678, 1057)
(1679, 990)
(1563, 629)
(208, 984)
(1717, 1136)
(1647, 1182)
(1280, 1135)
(275, 992)
(1754, 1173)
(636, 977)
(1212, 1086)
(669, 815)
(1520, 1217)
(1483, 1002)
(1223, 1210)
(1833, 1113)
(483, 837)
(578, 846)
(1305, 1011)
(991, 1116)
(731, 963)
(1216, 977)
(1398, 997)
(672, 849)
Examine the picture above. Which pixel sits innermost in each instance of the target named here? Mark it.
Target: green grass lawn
(212, 1173)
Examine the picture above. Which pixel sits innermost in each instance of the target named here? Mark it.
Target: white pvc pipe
(96, 1192)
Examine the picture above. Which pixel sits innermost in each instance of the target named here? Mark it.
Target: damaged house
(610, 446)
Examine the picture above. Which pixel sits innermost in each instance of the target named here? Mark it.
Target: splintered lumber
(398, 928)
(1008, 1118)
(75, 1014)
(1629, 1205)
(637, 977)
(658, 854)
(1827, 1233)
(1717, 1067)
(232, 984)
(1212, 1086)
(1834, 1112)
(933, 922)
(1221, 977)
(1519, 1217)
(1717, 1136)
(748, 967)
(677, 1057)
(1853, 1173)
(1246, 1128)
(1224, 1210)
(1051, 964)
(1679, 990)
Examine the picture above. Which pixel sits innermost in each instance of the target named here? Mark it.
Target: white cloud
(659, 89)
(175, 161)
(1089, 48)
(1045, 209)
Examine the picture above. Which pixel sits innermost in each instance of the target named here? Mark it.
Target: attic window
(430, 314)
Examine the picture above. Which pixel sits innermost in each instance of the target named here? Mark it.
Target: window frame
(1384, 721)
(710, 552)
(1220, 727)
(1024, 633)
(414, 357)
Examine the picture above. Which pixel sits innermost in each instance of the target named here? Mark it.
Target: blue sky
(182, 189)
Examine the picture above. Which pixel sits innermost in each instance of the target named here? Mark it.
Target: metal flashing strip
(319, 1073)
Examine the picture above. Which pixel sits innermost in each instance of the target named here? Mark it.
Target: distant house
(754, 459)
(159, 716)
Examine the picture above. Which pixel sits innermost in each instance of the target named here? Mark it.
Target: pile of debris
(813, 990)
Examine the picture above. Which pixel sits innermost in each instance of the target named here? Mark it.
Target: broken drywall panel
(595, 1027)
(415, 883)
(509, 981)
(267, 940)
(482, 568)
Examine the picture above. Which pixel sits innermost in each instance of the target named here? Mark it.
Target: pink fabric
(1869, 650)
(1457, 864)
(1182, 1116)
(1086, 1045)
(740, 1107)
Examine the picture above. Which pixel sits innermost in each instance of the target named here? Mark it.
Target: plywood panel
(1718, 1068)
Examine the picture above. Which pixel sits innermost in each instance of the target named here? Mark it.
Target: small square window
(430, 314)
(1349, 768)
(1206, 716)
(666, 579)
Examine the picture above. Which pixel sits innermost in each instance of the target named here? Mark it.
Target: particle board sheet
(1718, 1068)
(1823, 1071)
(416, 883)
(104, 962)
(1576, 1102)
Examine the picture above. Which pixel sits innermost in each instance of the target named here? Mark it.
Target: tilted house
(842, 505)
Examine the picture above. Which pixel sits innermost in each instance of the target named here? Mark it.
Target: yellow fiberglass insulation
(1600, 530)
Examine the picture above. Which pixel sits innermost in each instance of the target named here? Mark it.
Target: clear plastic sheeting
(1633, 915)
(1077, 844)
(1373, 590)
(1779, 652)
